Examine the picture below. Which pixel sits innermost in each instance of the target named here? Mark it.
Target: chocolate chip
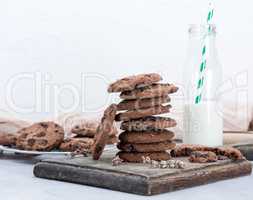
(42, 142)
(31, 142)
(41, 134)
(44, 125)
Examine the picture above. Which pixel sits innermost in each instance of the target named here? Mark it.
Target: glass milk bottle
(203, 122)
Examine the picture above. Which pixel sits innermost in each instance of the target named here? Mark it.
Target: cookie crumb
(155, 164)
(146, 160)
(79, 153)
(163, 164)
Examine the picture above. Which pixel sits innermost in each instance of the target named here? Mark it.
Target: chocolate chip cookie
(89, 129)
(43, 136)
(136, 104)
(86, 128)
(230, 152)
(138, 157)
(186, 150)
(7, 139)
(137, 114)
(148, 123)
(103, 131)
(131, 82)
(152, 91)
(77, 144)
(146, 136)
(203, 157)
(146, 147)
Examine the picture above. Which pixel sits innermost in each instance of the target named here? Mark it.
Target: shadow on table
(26, 159)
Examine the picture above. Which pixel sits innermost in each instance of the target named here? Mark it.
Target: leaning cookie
(155, 90)
(77, 144)
(131, 82)
(136, 104)
(148, 123)
(112, 140)
(138, 157)
(146, 147)
(146, 136)
(136, 114)
(43, 136)
(103, 131)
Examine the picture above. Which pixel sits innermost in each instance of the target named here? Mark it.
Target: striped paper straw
(201, 79)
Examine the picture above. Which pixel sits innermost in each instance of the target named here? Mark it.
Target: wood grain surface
(138, 178)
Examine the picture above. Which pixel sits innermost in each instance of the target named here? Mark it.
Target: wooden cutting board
(138, 178)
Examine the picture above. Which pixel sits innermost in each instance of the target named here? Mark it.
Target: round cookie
(131, 82)
(148, 147)
(148, 123)
(103, 131)
(74, 144)
(7, 139)
(203, 157)
(43, 136)
(138, 157)
(89, 129)
(146, 137)
(136, 104)
(136, 114)
(155, 90)
(86, 128)
(187, 149)
(230, 152)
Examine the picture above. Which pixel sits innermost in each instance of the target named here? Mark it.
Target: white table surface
(18, 183)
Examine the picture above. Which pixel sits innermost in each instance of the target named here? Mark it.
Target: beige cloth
(237, 117)
(11, 125)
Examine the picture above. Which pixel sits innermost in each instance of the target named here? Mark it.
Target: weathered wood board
(138, 178)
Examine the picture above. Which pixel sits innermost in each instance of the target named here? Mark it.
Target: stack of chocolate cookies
(145, 134)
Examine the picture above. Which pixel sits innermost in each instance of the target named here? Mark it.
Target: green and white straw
(204, 48)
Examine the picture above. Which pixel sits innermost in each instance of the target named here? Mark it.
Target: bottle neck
(202, 35)
(197, 42)
(204, 67)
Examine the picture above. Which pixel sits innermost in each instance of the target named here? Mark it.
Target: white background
(112, 38)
